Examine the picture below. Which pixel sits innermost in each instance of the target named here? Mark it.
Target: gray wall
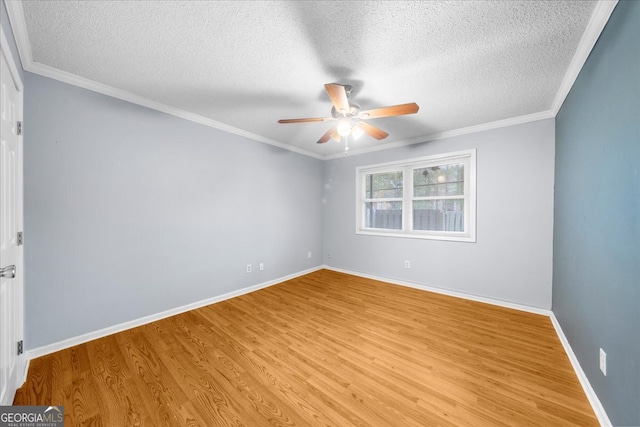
(130, 212)
(596, 275)
(511, 260)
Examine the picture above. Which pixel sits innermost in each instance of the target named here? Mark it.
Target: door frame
(22, 361)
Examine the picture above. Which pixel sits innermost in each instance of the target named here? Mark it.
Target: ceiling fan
(350, 118)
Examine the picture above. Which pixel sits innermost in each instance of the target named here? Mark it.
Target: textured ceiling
(246, 64)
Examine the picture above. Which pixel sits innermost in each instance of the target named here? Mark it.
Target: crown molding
(598, 21)
(527, 118)
(19, 28)
(6, 51)
(72, 79)
(18, 24)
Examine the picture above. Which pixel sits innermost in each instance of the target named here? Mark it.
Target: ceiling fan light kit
(351, 119)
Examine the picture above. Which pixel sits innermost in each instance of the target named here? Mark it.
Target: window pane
(447, 180)
(386, 215)
(438, 215)
(384, 185)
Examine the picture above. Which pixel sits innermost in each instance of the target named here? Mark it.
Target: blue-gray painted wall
(130, 212)
(596, 263)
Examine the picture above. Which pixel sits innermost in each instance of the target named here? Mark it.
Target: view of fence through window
(383, 208)
(437, 199)
(431, 197)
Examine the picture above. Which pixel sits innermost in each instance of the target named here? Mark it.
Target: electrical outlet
(309, 254)
(248, 268)
(407, 263)
(261, 266)
(603, 362)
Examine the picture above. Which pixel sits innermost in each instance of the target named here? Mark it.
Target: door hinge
(19, 127)
(20, 348)
(19, 238)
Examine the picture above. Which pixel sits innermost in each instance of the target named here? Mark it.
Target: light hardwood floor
(325, 349)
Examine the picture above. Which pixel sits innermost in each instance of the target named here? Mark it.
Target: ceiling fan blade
(373, 131)
(338, 96)
(394, 110)
(327, 135)
(311, 119)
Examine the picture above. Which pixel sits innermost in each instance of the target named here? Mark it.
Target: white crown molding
(451, 133)
(19, 28)
(601, 414)
(81, 339)
(599, 19)
(11, 61)
(72, 79)
(18, 23)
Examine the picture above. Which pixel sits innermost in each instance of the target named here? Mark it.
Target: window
(429, 198)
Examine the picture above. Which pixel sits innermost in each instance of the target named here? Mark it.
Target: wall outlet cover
(603, 362)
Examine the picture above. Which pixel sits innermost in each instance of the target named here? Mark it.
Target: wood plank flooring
(325, 349)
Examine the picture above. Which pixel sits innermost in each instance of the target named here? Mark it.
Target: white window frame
(467, 157)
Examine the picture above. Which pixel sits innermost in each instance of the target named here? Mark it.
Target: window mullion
(458, 197)
(442, 217)
(407, 208)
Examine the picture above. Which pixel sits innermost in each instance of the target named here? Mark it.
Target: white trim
(16, 17)
(80, 339)
(22, 361)
(591, 396)
(4, 47)
(599, 19)
(442, 291)
(72, 79)
(25, 368)
(528, 118)
(406, 167)
(598, 409)
(582, 377)
(19, 29)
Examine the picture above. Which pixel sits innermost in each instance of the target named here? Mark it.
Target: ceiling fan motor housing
(354, 109)
(345, 112)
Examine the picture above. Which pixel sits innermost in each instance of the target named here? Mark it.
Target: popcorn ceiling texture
(249, 63)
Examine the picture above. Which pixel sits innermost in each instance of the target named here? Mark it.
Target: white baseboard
(24, 366)
(448, 292)
(81, 339)
(582, 377)
(591, 395)
(586, 386)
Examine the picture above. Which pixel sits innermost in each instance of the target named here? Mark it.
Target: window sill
(453, 237)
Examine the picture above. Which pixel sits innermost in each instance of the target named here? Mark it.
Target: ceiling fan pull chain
(346, 144)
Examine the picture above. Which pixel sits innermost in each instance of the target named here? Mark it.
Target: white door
(11, 254)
